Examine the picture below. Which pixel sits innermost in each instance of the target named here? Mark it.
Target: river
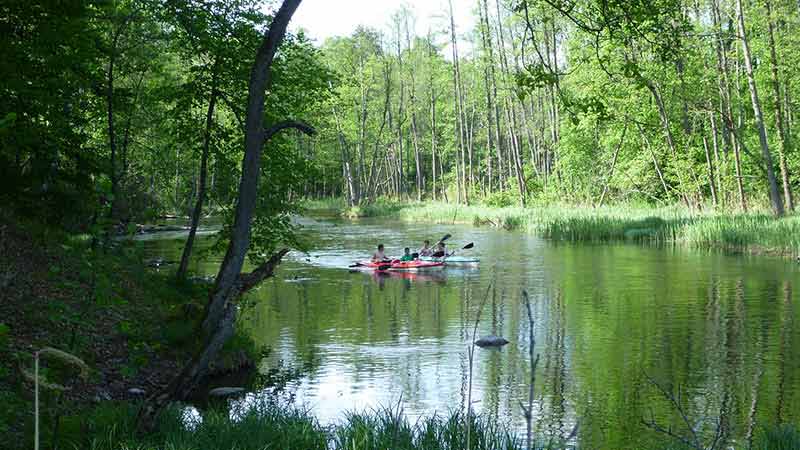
(612, 323)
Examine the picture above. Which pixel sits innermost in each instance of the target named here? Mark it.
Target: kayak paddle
(381, 267)
(466, 247)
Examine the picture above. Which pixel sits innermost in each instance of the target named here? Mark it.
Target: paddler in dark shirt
(441, 251)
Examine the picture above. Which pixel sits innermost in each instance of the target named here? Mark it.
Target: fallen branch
(250, 280)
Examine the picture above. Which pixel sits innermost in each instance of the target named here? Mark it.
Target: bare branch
(274, 129)
(250, 280)
(676, 403)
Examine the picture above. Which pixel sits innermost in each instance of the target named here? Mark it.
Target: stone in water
(225, 391)
(491, 341)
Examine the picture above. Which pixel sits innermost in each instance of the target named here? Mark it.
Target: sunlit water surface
(611, 321)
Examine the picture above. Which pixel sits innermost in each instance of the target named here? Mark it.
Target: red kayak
(429, 276)
(403, 265)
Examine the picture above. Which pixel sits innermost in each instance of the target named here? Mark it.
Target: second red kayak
(403, 265)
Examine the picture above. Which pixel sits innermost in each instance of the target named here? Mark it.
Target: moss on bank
(756, 232)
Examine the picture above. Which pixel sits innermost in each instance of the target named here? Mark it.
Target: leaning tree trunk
(774, 195)
(201, 190)
(230, 282)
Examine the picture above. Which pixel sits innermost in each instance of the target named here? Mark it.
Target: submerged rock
(491, 341)
(225, 391)
(136, 392)
(159, 262)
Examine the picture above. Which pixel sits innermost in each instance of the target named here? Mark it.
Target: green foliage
(500, 199)
(783, 437)
(5, 330)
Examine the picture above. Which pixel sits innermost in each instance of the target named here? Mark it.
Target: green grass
(268, 425)
(782, 437)
(756, 232)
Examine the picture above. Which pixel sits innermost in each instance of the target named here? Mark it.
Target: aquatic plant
(267, 424)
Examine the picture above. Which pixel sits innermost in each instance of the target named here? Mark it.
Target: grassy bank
(131, 325)
(268, 425)
(757, 232)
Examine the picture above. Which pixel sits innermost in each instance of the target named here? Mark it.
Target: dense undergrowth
(132, 325)
(756, 232)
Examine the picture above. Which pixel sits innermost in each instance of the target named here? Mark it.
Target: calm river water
(610, 322)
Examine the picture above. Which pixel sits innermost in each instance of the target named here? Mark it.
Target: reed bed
(270, 426)
(755, 232)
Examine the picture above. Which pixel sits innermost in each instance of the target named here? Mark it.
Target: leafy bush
(500, 199)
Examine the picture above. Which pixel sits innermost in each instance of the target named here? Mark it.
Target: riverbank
(129, 324)
(752, 233)
(269, 425)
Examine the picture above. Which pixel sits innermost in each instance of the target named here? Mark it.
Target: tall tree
(230, 283)
(783, 136)
(774, 195)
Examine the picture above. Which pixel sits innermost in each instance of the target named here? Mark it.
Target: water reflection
(720, 329)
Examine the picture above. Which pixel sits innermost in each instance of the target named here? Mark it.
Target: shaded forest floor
(755, 233)
(132, 325)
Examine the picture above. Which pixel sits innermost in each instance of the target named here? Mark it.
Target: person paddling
(426, 249)
(441, 251)
(379, 255)
(407, 256)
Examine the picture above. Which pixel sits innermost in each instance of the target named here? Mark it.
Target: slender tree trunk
(511, 113)
(201, 190)
(726, 110)
(112, 141)
(655, 161)
(494, 103)
(347, 169)
(230, 282)
(715, 140)
(459, 109)
(774, 194)
(613, 164)
(783, 136)
(710, 166)
(432, 88)
(362, 142)
(414, 132)
(665, 123)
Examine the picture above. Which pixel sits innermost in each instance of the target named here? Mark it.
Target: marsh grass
(778, 438)
(755, 232)
(268, 425)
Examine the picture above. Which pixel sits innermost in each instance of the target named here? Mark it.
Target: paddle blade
(355, 265)
(445, 237)
(469, 246)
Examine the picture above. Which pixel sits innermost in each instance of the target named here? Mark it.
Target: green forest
(663, 121)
